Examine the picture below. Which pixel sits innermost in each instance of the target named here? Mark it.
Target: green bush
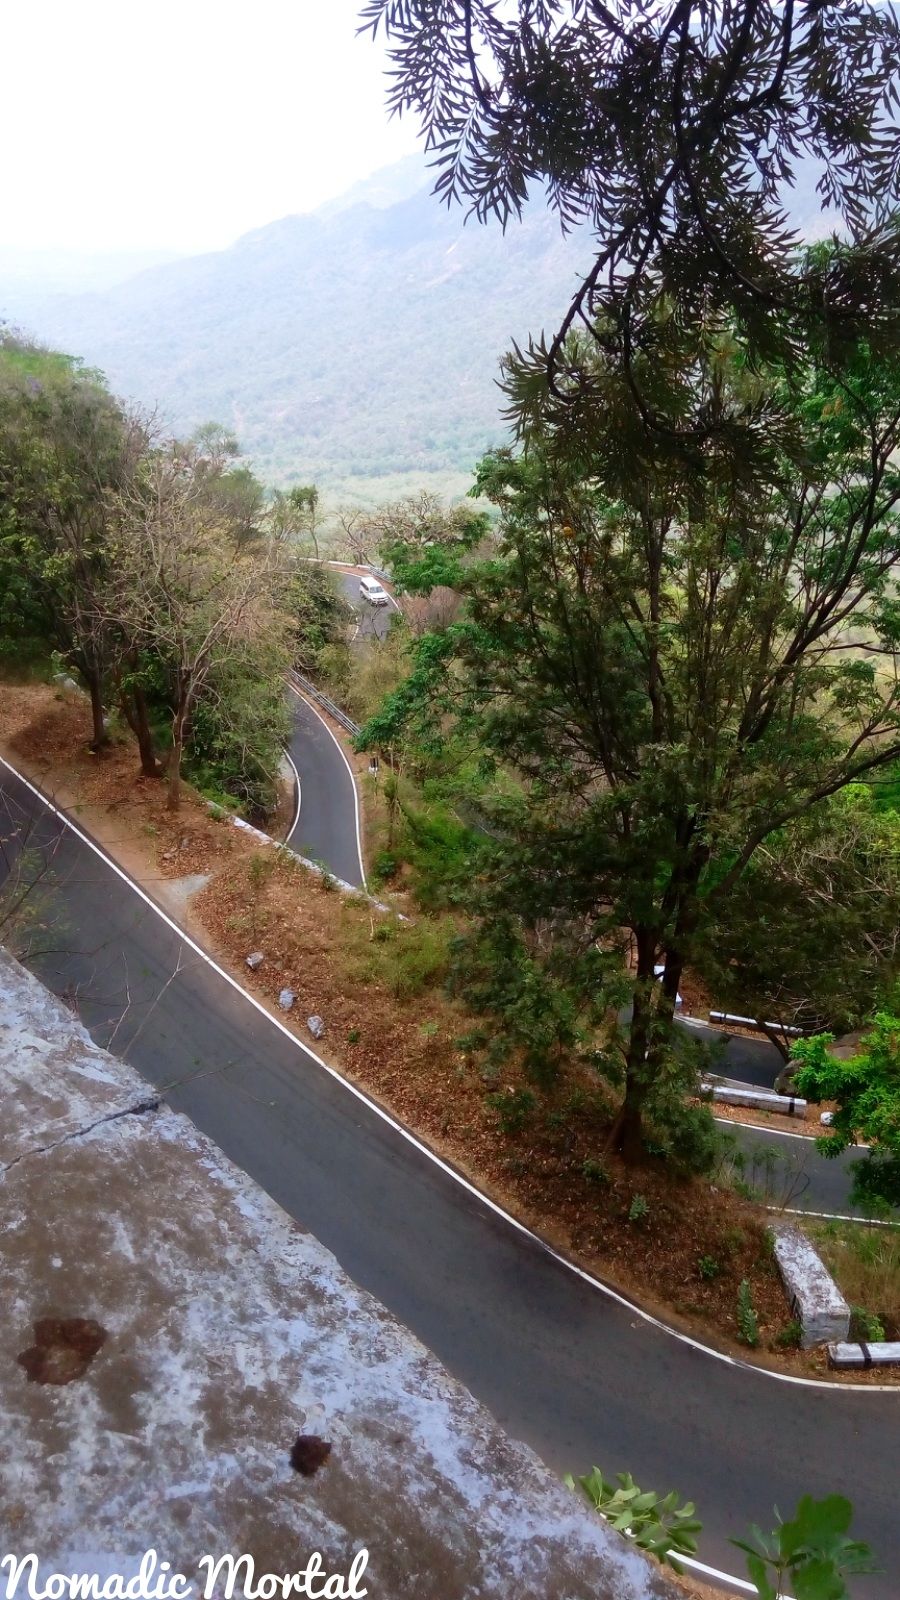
(513, 1107)
(747, 1320)
(238, 729)
(865, 1325)
(440, 849)
(384, 867)
(708, 1268)
(638, 1209)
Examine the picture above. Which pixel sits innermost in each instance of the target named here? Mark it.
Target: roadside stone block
(255, 960)
(861, 1356)
(815, 1298)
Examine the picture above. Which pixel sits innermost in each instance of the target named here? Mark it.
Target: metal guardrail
(326, 704)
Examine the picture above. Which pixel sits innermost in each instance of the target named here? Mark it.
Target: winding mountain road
(371, 621)
(575, 1371)
(326, 828)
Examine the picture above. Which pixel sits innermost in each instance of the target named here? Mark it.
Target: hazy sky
(180, 124)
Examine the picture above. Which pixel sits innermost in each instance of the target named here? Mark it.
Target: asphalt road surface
(372, 621)
(578, 1375)
(739, 1055)
(326, 829)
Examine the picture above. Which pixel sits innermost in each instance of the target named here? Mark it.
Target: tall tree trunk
(627, 1131)
(133, 703)
(100, 737)
(655, 999)
(143, 733)
(173, 800)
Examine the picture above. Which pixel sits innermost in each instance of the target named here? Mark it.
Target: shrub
(441, 852)
(865, 1325)
(638, 1209)
(708, 1268)
(594, 1170)
(790, 1337)
(513, 1108)
(384, 867)
(733, 1239)
(747, 1320)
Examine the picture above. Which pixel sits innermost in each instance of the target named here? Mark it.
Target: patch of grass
(865, 1262)
(404, 958)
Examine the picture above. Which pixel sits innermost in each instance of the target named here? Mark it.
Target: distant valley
(356, 346)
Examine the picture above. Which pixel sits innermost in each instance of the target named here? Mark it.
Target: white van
(370, 589)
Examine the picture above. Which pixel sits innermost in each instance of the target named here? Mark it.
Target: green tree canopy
(674, 665)
(808, 936)
(674, 130)
(866, 1088)
(65, 446)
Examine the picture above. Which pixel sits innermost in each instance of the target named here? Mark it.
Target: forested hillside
(350, 342)
(360, 341)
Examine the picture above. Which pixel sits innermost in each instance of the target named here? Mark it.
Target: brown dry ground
(391, 1029)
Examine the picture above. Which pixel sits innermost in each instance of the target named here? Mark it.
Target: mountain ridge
(346, 345)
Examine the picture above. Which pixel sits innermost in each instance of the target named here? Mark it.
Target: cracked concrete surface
(229, 1332)
(137, 1110)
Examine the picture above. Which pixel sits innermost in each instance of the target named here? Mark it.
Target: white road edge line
(778, 1133)
(430, 1155)
(833, 1216)
(293, 825)
(343, 754)
(757, 1127)
(723, 1577)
